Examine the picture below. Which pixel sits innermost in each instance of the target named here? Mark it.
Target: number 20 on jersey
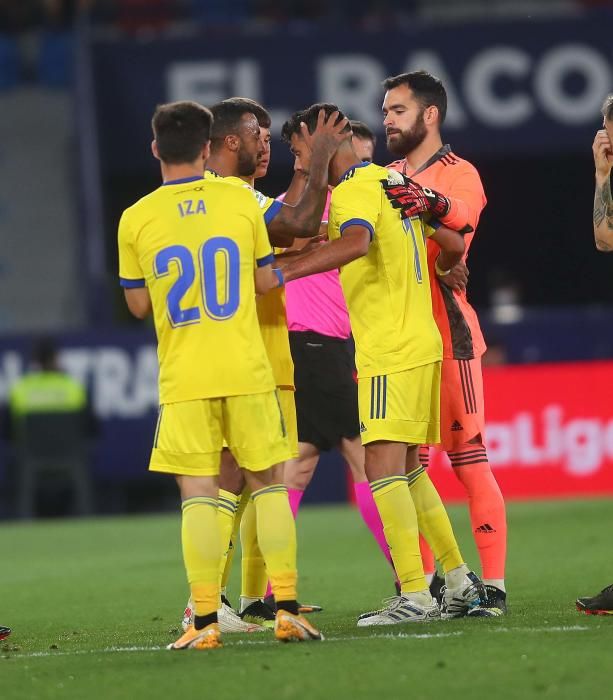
(219, 257)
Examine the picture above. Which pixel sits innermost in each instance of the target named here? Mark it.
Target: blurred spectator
(61, 14)
(505, 297)
(49, 425)
(496, 353)
(220, 11)
(136, 16)
(20, 15)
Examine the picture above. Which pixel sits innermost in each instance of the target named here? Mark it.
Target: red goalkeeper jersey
(458, 180)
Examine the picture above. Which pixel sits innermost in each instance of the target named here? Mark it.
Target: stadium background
(79, 80)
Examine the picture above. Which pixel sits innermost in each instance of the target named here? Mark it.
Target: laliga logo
(579, 444)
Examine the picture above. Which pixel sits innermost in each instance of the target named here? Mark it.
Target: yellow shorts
(288, 408)
(190, 434)
(401, 407)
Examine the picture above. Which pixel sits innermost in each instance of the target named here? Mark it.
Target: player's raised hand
(603, 154)
(328, 134)
(457, 278)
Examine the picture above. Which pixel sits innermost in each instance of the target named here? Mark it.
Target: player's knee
(232, 480)
(231, 477)
(257, 480)
(197, 486)
(298, 473)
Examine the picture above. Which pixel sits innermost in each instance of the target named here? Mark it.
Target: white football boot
(408, 607)
(229, 620)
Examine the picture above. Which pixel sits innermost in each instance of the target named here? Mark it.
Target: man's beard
(247, 163)
(407, 141)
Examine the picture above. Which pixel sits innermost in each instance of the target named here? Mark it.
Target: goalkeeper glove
(413, 199)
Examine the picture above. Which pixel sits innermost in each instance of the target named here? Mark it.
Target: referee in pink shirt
(326, 390)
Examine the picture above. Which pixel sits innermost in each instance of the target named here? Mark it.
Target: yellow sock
(276, 534)
(433, 520)
(201, 552)
(226, 514)
(227, 565)
(254, 578)
(399, 519)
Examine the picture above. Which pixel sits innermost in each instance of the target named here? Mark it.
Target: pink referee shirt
(316, 303)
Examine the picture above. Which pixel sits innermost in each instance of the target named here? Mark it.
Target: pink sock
(370, 515)
(295, 496)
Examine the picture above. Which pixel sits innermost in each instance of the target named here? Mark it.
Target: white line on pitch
(401, 636)
(568, 628)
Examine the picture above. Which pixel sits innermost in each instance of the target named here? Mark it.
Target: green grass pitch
(93, 602)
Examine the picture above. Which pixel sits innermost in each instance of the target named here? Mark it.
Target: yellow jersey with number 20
(195, 245)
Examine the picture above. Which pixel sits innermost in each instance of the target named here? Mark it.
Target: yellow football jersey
(271, 306)
(195, 245)
(388, 290)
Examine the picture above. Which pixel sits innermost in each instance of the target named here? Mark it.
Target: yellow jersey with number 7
(387, 290)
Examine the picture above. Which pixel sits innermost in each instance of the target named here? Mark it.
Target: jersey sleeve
(430, 226)
(263, 249)
(356, 203)
(466, 196)
(270, 207)
(130, 272)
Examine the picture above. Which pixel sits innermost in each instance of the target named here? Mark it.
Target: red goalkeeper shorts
(462, 410)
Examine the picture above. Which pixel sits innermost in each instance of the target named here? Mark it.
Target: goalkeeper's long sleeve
(458, 217)
(466, 201)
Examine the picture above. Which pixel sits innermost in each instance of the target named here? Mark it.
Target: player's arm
(603, 202)
(131, 276)
(458, 208)
(266, 278)
(353, 244)
(466, 200)
(292, 196)
(138, 301)
(448, 265)
(296, 188)
(303, 219)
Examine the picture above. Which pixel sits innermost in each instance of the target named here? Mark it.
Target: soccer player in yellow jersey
(194, 253)
(398, 354)
(237, 147)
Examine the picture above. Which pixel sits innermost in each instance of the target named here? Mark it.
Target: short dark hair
(427, 88)
(292, 126)
(44, 353)
(309, 116)
(607, 107)
(181, 130)
(362, 131)
(227, 115)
